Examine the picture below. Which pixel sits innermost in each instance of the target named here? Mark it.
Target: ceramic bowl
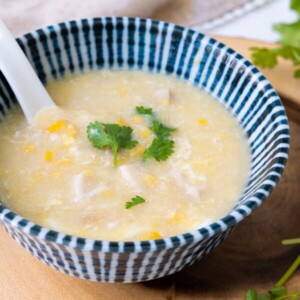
(159, 47)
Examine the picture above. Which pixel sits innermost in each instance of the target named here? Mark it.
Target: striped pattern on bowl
(133, 43)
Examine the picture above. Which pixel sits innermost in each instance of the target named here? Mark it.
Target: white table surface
(257, 24)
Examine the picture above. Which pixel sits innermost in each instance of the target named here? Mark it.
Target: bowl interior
(125, 43)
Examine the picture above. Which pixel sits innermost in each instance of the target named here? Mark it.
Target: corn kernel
(185, 110)
(82, 232)
(42, 217)
(72, 130)
(68, 140)
(154, 235)
(145, 133)
(165, 101)
(223, 135)
(63, 126)
(138, 119)
(122, 159)
(198, 167)
(48, 155)
(121, 122)
(202, 121)
(29, 148)
(150, 180)
(107, 192)
(176, 218)
(56, 126)
(56, 174)
(123, 91)
(88, 170)
(137, 151)
(63, 162)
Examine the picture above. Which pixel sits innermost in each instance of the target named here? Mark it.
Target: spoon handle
(27, 87)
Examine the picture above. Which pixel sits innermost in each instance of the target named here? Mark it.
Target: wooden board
(252, 256)
(281, 77)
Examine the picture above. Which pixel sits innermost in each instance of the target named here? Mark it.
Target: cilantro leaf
(278, 291)
(289, 45)
(297, 73)
(160, 129)
(291, 53)
(112, 136)
(254, 295)
(295, 5)
(289, 33)
(141, 110)
(160, 149)
(134, 201)
(264, 57)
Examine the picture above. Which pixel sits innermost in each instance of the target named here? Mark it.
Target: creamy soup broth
(52, 175)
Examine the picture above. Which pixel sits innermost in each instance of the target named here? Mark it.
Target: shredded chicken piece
(132, 176)
(163, 94)
(84, 188)
(191, 183)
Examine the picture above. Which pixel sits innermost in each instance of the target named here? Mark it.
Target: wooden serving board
(252, 256)
(281, 77)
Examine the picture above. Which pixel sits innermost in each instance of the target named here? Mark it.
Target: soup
(182, 164)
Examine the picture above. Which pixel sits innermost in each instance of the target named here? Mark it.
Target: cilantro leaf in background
(297, 73)
(291, 53)
(264, 57)
(254, 295)
(295, 5)
(279, 291)
(134, 201)
(289, 33)
(112, 136)
(160, 149)
(289, 44)
(276, 293)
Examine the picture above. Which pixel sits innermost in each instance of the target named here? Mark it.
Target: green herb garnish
(289, 45)
(134, 201)
(279, 291)
(291, 241)
(112, 136)
(160, 149)
(161, 130)
(141, 110)
(162, 146)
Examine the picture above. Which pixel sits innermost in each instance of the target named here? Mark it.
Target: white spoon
(27, 87)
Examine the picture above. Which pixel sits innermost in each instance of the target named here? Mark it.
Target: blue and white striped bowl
(124, 43)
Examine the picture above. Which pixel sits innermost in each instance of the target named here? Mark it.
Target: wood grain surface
(281, 77)
(251, 257)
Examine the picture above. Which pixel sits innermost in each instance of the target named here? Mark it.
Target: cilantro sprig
(111, 136)
(134, 201)
(279, 291)
(160, 149)
(116, 137)
(289, 45)
(162, 146)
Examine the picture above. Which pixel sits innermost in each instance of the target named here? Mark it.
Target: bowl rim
(231, 219)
